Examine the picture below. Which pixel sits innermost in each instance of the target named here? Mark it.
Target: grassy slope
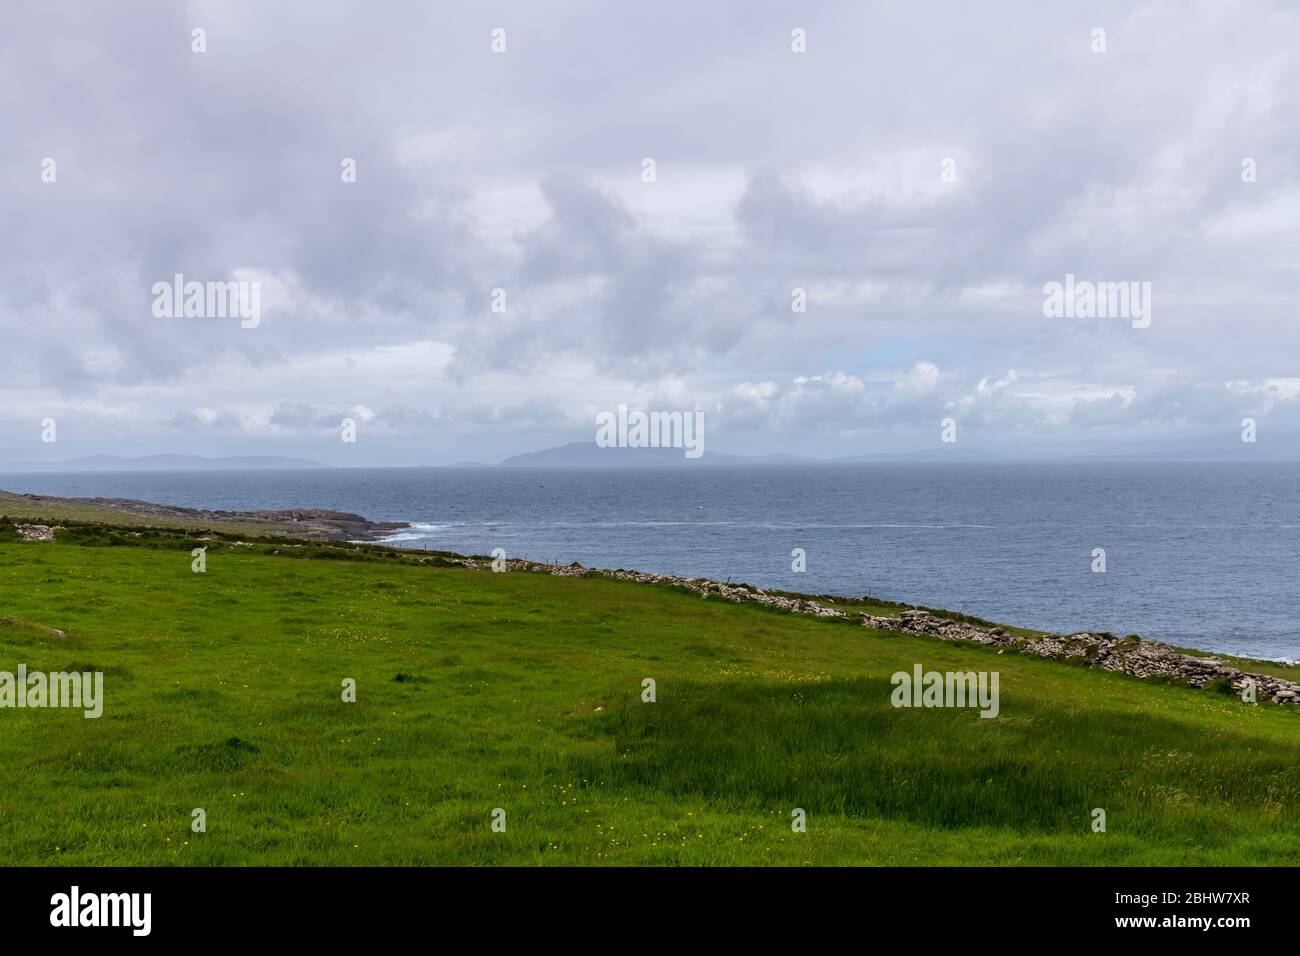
(523, 693)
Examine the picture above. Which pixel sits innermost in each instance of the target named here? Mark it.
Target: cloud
(522, 172)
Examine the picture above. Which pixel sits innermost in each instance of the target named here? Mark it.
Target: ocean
(1199, 555)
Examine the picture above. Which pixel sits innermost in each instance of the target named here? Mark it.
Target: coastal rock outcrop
(313, 523)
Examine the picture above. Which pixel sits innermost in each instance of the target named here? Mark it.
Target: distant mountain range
(578, 454)
(160, 463)
(590, 455)
(587, 454)
(581, 454)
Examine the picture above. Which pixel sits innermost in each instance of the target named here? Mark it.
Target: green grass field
(522, 691)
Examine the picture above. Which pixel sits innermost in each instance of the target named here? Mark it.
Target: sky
(505, 264)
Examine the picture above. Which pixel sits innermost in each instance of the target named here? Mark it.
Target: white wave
(418, 531)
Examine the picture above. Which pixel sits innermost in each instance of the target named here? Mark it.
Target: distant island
(588, 454)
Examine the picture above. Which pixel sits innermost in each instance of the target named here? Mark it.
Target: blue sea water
(1201, 555)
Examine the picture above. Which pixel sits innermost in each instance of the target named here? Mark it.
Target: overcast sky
(522, 170)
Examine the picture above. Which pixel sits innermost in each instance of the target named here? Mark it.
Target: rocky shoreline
(1146, 660)
(314, 523)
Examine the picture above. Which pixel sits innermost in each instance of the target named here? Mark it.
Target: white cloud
(521, 172)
